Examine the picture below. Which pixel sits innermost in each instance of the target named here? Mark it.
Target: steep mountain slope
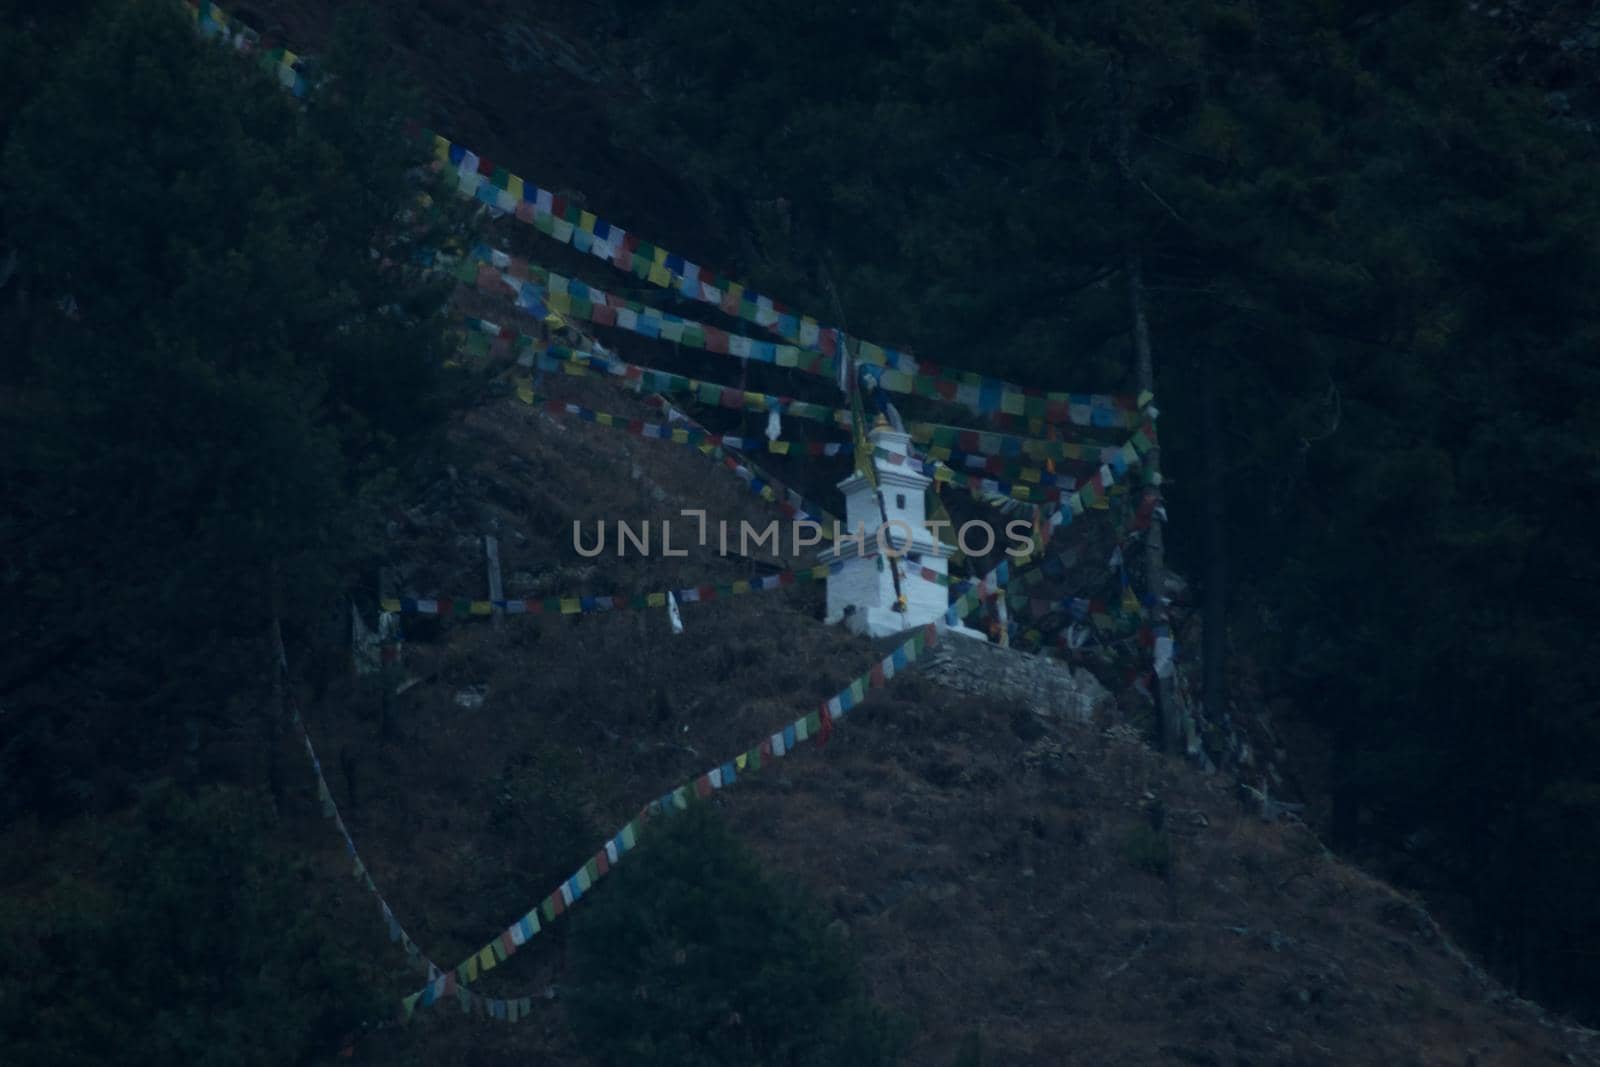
(1062, 890)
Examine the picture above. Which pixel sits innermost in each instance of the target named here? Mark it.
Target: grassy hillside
(1061, 891)
(227, 434)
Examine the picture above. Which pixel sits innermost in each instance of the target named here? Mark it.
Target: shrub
(178, 937)
(691, 957)
(1149, 850)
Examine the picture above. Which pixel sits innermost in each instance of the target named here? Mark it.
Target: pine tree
(224, 343)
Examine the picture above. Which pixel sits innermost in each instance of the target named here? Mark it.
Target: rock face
(1046, 686)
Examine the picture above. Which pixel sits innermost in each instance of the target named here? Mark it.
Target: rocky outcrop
(1046, 686)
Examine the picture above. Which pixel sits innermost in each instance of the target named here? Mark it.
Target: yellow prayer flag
(389, 604)
(660, 254)
(741, 587)
(780, 448)
(481, 607)
(486, 960)
(660, 275)
(441, 149)
(739, 761)
(571, 606)
(656, 600)
(586, 221)
(525, 394)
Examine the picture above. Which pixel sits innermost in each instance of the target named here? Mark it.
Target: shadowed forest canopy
(1365, 243)
(214, 359)
(214, 365)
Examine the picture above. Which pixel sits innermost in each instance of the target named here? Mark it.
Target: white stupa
(862, 593)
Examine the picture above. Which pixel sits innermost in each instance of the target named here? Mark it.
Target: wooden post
(491, 551)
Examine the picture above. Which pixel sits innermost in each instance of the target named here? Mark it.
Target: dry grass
(1068, 893)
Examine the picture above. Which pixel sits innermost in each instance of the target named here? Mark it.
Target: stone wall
(1045, 685)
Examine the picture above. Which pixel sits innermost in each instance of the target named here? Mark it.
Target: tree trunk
(1168, 716)
(1214, 650)
(1169, 725)
(272, 723)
